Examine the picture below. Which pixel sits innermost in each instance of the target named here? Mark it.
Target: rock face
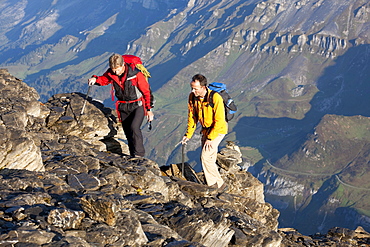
(19, 106)
(72, 191)
(27, 125)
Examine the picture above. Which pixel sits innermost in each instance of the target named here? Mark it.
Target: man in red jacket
(135, 99)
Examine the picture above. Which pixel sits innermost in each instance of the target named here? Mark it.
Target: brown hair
(201, 78)
(115, 61)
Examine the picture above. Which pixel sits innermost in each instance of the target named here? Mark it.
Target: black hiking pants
(131, 123)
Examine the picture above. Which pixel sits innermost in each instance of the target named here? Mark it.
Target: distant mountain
(288, 64)
(56, 45)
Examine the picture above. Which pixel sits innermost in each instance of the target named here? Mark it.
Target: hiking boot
(135, 157)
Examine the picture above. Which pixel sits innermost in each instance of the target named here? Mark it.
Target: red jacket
(132, 76)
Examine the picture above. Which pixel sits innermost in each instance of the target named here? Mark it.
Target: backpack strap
(192, 99)
(210, 99)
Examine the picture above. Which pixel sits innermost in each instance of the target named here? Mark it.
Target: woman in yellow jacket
(214, 127)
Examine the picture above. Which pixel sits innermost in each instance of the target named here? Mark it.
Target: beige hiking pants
(208, 158)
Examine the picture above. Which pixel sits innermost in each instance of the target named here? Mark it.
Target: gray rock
(18, 149)
(70, 241)
(83, 181)
(65, 218)
(30, 236)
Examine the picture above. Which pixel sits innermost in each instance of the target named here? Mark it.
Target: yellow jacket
(211, 118)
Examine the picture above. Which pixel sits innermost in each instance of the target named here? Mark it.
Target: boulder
(19, 106)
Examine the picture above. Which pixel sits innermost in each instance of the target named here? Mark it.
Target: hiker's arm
(100, 80)
(192, 120)
(220, 125)
(144, 88)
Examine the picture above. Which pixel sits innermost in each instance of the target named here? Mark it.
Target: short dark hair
(201, 78)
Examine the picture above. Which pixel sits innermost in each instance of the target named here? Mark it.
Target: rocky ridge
(271, 26)
(66, 180)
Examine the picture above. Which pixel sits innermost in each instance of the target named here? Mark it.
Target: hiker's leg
(209, 157)
(126, 126)
(137, 136)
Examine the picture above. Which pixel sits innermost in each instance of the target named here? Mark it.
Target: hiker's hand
(149, 116)
(184, 140)
(91, 81)
(208, 145)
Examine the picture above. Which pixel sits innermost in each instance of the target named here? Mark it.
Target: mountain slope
(55, 45)
(271, 60)
(326, 177)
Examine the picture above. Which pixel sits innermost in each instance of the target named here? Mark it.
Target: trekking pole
(84, 105)
(183, 158)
